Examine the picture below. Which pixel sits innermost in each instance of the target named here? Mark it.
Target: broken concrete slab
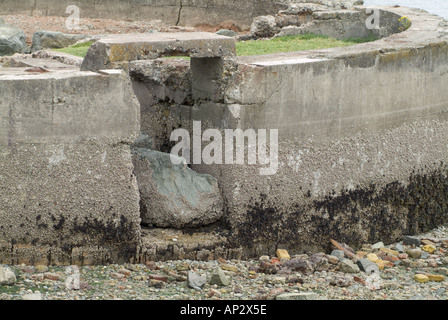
(116, 51)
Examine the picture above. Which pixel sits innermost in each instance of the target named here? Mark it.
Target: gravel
(244, 280)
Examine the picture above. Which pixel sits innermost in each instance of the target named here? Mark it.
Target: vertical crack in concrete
(179, 13)
(33, 8)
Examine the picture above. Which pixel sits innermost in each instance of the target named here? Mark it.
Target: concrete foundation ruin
(362, 146)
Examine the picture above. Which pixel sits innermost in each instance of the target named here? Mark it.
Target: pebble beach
(413, 269)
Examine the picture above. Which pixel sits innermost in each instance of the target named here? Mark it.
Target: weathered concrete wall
(68, 193)
(363, 137)
(362, 142)
(172, 12)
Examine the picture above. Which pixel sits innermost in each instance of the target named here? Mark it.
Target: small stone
(381, 264)
(444, 261)
(443, 271)
(267, 268)
(125, 272)
(378, 245)
(151, 265)
(183, 267)
(367, 266)
(435, 277)
(37, 276)
(348, 266)
(41, 268)
(366, 247)
(158, 277)
(7, 276)
(389, 251)
(403, 256)
(333, 259)
(300, 265)
(440, 291)
(32, 296)
(391, 285)
(51, 276)
(414, 253)
(338, 253)
(426, 242)
(195, 281)
(282, 254)
(432, 263)
(274, 293)
(391, 258)
(372, 257)
(444, 243)
(214, 293)
(156, 284)
(341, 281)
(219, 278)
(429, 248)
(117, 275)
(421, 278)
(399, 248)
(411, 241)
(298, 296)
(73, 282)
(229, 267)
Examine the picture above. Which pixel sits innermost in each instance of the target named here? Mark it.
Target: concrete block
(115, 50)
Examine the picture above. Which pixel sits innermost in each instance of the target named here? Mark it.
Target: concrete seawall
(68, 194)
(362, 149)
(363, 137)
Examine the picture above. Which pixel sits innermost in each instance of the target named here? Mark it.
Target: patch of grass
(259, 47)
(293, 43)
(79, 50)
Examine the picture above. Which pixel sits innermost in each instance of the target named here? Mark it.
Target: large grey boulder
(173, 195)
(12, 40)
(54, 40)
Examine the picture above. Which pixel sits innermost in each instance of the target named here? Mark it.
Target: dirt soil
(87, 26)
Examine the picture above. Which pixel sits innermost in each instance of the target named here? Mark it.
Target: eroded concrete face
(68, 192)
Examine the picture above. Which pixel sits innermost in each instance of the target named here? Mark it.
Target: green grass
(259, 47)
(79, 50)
(292, 43)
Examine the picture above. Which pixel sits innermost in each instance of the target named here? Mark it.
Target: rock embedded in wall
(174, 195)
